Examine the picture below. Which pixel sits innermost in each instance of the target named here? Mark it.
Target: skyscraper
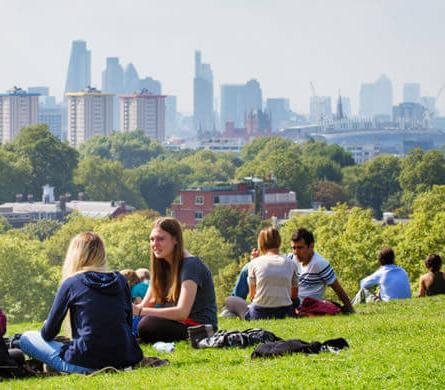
(113, 82)
(18, 109)
(279, 111)
(90, 113)
(238, 100)
(411, 93)
(320, 109)
(151, 85)
(79, 69)
(143, 111)
(131, 79)
(376, 98)
(203, 119)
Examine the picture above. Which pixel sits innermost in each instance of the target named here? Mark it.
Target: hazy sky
(284, 44)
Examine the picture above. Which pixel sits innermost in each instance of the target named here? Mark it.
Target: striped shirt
(314, 276)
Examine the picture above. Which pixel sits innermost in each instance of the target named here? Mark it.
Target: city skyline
(336, 45)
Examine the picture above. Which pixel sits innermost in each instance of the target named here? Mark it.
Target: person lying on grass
(181, 292)
(433, 282)
(100, 314)
(273, 282)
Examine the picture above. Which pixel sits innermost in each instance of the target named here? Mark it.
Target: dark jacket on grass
(101, 317)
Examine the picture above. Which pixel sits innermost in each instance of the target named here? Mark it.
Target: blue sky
(285, 44)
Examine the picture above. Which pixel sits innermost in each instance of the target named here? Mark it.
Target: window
(216, 199)
(199, 200)
(198, 215)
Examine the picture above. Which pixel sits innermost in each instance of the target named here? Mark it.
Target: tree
(41, 230)
(267, 144)
(209, 245)
(132, 149)
(27, 283)
(323, 168)
(329, 194)
(240, 228)
(332, 152)
(373, 182)
(52, 161)
(103, 180)
(159, 182)
(15, 175)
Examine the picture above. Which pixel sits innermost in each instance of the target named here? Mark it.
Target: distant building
(409, 115)
(18, 109)
(320, 109)
(171, 115)
(90, 113)
(151, 85)
(258, 124)
(376, 98)
(194, 204)
(429, 102)
(279, 111)
(203, 118)
(131, 79)
(363, 153)
(79, 68)
(143, 111)
(113, 82)
(411, 93)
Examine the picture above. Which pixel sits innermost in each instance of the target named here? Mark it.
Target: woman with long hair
(99, 306)
(181, 292)
(272, 279)
(433, 282)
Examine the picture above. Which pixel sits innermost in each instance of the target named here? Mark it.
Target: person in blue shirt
(100, 315)
(391, 279)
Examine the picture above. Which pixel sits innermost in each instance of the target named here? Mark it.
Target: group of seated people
(138, 281)
(96, 304)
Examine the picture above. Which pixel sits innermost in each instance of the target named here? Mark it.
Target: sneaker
(199, 332)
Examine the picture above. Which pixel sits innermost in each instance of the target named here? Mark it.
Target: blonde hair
(165, 278)
(131, 276)
(86, 252)
(143, 274)
(268, 238)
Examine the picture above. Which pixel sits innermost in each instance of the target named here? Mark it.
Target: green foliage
(374, 182)
(159, 182)
(206, 166)
(210, 247)
(349, 239)
(332, 152)
(126, 240)
(267, 144)
(225, 279)
(328, 194)
(107, 180)
(132, 149)
(57, 245)
(4, 224)
(27, 283)
(323, 168)
(237, 227)
(52, 161)
(42, 229)
(15, 174)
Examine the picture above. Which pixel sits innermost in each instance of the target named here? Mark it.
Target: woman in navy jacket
(100, 314)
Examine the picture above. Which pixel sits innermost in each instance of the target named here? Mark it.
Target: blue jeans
(48, 352)
(263, 313)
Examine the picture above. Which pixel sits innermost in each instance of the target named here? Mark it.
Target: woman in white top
(273, 281)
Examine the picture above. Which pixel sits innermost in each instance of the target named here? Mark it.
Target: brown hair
(131, 276)
(433, 262)
(269, 238)
(165, 278)
(386, 256)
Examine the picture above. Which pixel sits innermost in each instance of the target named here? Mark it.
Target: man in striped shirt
(314, 271)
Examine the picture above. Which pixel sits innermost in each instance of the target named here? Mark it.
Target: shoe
(199, 332)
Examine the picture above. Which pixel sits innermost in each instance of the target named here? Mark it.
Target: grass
(395, 345)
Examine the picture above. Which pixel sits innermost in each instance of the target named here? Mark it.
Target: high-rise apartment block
(143, 111)
(171, 115)
(90, 113)
(18, 109)
(203, 118)
(79, 69)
